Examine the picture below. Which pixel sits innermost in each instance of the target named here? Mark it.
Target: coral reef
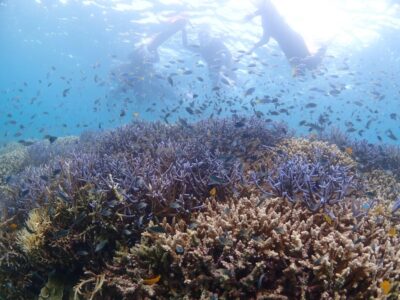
(275, 250)
(315, 173)
(41, 152)
(231, 208)
(313, 150)
(368, 156)
(158, 169)
(12, 160)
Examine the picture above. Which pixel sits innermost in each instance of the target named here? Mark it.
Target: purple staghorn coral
(317, 184)
(158, 170)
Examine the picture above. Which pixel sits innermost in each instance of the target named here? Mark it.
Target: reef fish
(385, 287)
(151, 281)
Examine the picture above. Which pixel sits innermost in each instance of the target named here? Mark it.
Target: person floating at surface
(215, 54)
(291, 43)
(140, 67)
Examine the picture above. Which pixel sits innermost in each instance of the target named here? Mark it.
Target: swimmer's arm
(251, 16)
(264, 40)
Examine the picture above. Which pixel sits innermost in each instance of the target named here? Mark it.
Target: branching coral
(313, 151)
(17, 279)
(13, 159)
(159, 170)
(317, 175)
(368, 156)
(273, 250)
(32, 237)
(91, 211)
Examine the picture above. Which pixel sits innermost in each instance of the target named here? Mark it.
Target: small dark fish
(44, 177)
(393, 116)
(82, 253)
(170, 81)
(259, 114)
(122, 113)
(189, 110)
(24, 192)
(156, 229)
(311, 105)
(175, 205)
(390, 135)
(188, 72)
(215, 180)
(240, 123)
(200, 79)
(225, 81)
(249, 92)
(179, 249)
(61, 233)
(101, 245)
(65, 92)
(302, 122)
(26, 143)
(183, 122)
(51, 138)
(56, 172)
(8, 179)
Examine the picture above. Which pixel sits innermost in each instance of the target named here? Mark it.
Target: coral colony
(220, 209)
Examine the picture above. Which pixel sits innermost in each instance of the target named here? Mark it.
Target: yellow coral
(307, 148)
(32, 237)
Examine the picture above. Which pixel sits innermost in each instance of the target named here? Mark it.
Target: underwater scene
(187, 149)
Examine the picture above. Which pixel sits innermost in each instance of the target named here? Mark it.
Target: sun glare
(342, 22)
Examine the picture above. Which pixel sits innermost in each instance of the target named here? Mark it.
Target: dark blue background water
(49, 47)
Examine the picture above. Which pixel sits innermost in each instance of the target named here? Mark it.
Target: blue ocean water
(58, 59)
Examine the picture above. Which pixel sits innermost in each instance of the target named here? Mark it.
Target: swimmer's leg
(315, 60)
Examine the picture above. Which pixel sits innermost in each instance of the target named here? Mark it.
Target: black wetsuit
(139, 70)
(291, 43)
(216, 55)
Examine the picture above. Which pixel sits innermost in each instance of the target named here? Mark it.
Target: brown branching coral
(307, 148)
(274, 250)
(382, 185)
(17, 281)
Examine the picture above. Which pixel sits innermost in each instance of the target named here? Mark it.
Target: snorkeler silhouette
(136, 73)
(215, 54)
(291, 43)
